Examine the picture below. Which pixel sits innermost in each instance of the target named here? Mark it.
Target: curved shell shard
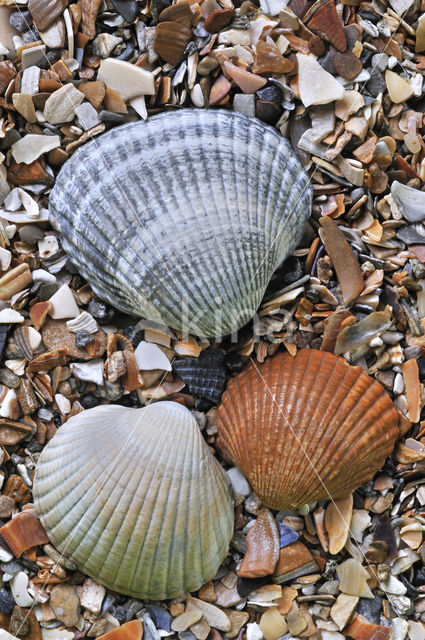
(183, 219)
(136, 499)
(306, 428)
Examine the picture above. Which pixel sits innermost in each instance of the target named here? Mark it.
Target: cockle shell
(183, 219)
(306, 428)
(136, 499)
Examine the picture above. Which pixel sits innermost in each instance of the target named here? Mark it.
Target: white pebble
(18, 587)
(4, 635)
(149, 356)
(10, 315)
(10, 400)
(253, 631)
(63, 403)
(398, 386)
(63, 304)
(238, 481)
(89, 371)
(5, 258)
(48, 246)
(40, 275)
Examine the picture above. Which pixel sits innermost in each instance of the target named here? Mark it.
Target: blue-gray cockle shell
(184, 218)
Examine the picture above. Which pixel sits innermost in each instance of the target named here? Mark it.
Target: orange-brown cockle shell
(306, 428)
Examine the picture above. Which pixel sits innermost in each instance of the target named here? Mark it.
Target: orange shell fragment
(306, 428)
(362, 629)
(263, 547)
(23, 532)
(130, 631)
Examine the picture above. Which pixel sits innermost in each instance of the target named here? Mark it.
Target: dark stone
(110, 391)
(11, 567)
(120, 614)
(134, 334)
(3, 338)
(356, 194)
(132, 607)
(376, 83)
(21, 20)
(19, 622)
(418, 269)
(245, 586)
(109, 116)
(6, 601)
(201, 32)
(99, 310)
(47, 289)
(31, 36)
(412, 591)
(420, 577)
(82, 338)
(385, 533)
(371, 609)
(368, 15)
(127, 53)
(34, 447)
(30, 233)
(202, 404)
(421, 367)
(327, 64)
(89, 401)
(268, 112)
(53, 56)
(234, 362)
(412, 233)
(270, 94)
(10, 138)
(205, 376)
(128, 9)
(160, 616)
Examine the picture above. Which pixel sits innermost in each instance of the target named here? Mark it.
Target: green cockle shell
(135, 497)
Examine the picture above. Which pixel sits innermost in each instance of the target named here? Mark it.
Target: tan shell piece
(135, 497)
(306, 428)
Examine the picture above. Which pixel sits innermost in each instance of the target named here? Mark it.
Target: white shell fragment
(83, 322)
(63, 304)
(411, 202)
(89, 371)
(208, 204)
(61, 104)
(149, 356)
(316, 85)
(32, 146)
(18, 198)
(18, 587)
(136, 499)
(10, 315)
(130, 81)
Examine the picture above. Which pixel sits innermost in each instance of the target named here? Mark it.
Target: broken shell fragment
(154, 522)
(306, 428)
(23, 532)
(190, 185)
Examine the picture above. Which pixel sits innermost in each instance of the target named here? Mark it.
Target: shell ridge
(119, 273)
(345, 419)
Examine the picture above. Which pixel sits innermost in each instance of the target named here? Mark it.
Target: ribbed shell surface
(183, 219)
(306, 428)
(136, 498)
